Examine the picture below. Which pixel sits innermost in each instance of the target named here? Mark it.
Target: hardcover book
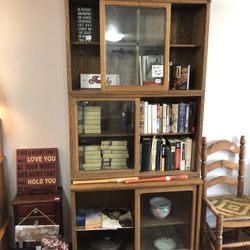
(146, 153)
(180, 77)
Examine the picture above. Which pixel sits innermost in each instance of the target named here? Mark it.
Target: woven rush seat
(232, 207)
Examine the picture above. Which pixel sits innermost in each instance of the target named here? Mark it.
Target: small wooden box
(48, 203)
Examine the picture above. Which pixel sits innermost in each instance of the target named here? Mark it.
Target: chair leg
(219, 232)
(203, 227)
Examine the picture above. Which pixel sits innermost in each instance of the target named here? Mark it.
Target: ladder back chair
(230, 211)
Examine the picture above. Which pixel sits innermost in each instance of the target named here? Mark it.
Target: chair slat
(222, 163)
(222, 179)
(223, 145)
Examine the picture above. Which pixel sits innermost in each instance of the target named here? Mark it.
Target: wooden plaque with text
(36, 170)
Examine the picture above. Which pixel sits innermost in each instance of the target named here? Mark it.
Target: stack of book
(160, 154)
(114, 154)
(92, 120)
(167, 118)
(91, 157)
(80, 118)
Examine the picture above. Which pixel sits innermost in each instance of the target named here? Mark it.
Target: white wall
(33, 93)
(33, 88)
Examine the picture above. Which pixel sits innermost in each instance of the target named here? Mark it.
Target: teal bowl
(160, 207)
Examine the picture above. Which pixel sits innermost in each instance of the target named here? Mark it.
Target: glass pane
(135, 47)
(163, 217)
(106, 135)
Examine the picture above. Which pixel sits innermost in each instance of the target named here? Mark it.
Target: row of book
(103, 218)
(167, 118)
(111, 154)
(161, 154)
(89, 119)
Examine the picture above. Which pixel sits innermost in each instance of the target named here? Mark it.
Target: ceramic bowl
(165, 243)
(160, 207)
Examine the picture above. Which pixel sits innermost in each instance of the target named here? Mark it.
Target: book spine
(154, 119)
(174, 117)
(153, 154)
(146, 153)
(168, 119)
(188, 153)
(158, 155)
(183, 155)
(178, 155)
(181, 117)
(145, 122)
(149, 122)
(164, 118)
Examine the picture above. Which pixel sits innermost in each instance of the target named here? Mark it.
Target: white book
(149, 130)
(145, 117)
(154, 119)
(183, 155)
(153, 154)
(164, 118)
(188, 153)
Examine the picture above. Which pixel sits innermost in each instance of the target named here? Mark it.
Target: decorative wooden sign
(36, 170)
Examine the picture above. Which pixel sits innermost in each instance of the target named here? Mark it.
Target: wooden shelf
(90, 93)
(85, 43)
(174, 218)
(168, 134)
(83, 229)
(184, 46)
(106, 135)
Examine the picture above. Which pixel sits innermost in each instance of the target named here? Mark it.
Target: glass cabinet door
(135, 45)
(105, 135)
(165, 221)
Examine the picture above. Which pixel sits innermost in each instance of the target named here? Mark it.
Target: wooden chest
(39, 209)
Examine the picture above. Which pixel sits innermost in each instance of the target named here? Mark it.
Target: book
(172, 145)
(96, 109)
(114, 147)
(180, 77)
(158, 155)
(174, 118)
(113, 218)
(181, 122)
(114, 143)
(188, 153)
(192, 117)
(177, 154)
(145, 118)
(146, 153)
(153, 154)
(91, 166)
(92, 148)
(93, 218)
(149, 120)
(168, 159)
(116, 156)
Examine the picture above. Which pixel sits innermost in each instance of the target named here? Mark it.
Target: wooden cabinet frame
(186, 42)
